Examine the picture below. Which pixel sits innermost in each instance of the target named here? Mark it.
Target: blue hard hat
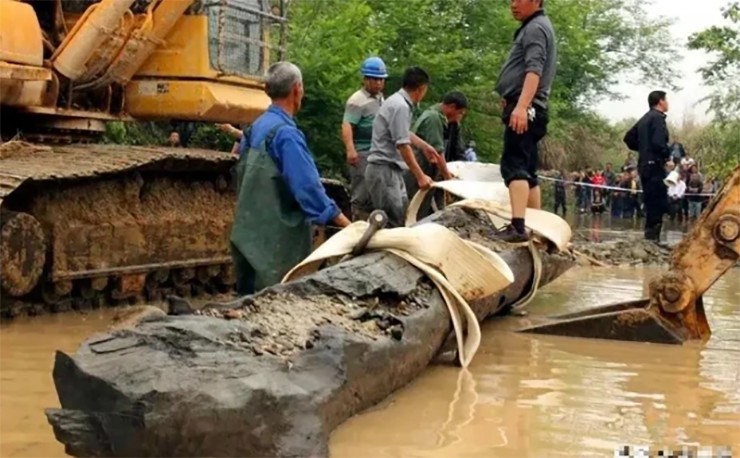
(374, 67)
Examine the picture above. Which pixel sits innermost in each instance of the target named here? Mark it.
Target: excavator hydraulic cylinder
(98, 23)
(144, 40)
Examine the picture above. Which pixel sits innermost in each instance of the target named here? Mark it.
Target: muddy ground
(631, 251)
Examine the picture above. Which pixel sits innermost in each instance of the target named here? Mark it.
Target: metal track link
(92, 294)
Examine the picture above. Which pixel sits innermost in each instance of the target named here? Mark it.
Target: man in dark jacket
(649, 137)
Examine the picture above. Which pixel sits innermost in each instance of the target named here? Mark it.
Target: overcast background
(690, 16)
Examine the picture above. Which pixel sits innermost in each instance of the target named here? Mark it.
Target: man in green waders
(279, 191)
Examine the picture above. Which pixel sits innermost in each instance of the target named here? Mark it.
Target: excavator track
(84, 226)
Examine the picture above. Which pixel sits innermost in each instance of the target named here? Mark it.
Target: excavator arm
(674, 311)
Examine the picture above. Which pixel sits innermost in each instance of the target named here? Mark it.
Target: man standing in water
(524, 84)
(357, 131)
(279, 191)
(649, 137)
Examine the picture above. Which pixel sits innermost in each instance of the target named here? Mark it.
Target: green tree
(463, 45)
(723, 70)
(719, 144)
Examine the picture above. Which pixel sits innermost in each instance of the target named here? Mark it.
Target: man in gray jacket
(524, 85)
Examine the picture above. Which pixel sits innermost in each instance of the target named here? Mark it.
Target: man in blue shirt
(279, 191)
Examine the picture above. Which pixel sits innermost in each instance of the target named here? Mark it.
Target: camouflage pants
(359, 194)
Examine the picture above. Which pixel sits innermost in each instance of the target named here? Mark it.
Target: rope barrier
(615, 188)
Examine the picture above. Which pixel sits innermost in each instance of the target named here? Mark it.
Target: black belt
(514, 100)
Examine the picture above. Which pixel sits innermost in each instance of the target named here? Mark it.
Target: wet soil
(629, 251)
(18, 148)
(283, 324)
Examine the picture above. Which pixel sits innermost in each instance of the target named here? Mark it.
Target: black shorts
(520, 158)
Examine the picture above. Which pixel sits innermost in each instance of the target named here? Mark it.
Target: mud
(17, 148)
(524, 395)
(282, 324)
(634, 250)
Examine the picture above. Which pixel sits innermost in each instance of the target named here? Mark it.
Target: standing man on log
(357, 131)
(649, 137)
(279, 191)
(390, 150)
(524, 84)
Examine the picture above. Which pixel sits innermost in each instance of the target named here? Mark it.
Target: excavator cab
(674, 312)
(72, 65)
(213, 65)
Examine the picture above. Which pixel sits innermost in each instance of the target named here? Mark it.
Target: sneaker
(509, 234)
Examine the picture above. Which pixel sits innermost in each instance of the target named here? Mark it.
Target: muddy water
(523, 395)
(553, 396)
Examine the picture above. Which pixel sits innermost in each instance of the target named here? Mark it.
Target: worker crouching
(279, 190)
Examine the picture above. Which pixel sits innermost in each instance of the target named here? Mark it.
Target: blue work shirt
(290, 152)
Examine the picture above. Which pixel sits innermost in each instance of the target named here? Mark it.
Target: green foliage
(208, 136)
(205, 135)
(716, 146)
(723, 71)
(136, 133)
(463, 44)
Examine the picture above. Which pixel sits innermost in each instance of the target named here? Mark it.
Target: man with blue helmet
(357, 129)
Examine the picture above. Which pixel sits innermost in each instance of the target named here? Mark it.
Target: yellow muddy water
(523, 395)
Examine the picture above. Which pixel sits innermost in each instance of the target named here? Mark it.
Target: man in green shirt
(432, 127)
(357, 130)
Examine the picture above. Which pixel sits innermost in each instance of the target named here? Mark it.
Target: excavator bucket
(674, 312)
(632, 321)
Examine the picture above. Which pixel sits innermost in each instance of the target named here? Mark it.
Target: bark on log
(304, 357)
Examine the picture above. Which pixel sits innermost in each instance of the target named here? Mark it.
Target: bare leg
(519, 195)
(534, 200)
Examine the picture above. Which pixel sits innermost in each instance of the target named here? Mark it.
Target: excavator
(85, 224)
(674, 311)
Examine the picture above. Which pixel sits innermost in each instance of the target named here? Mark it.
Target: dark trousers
(617, 205)
(655, 199)
(560, 202)
(674, 209)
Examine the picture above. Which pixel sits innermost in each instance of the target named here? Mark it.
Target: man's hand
(341, 221)
(447, 175)
(518, 120)
(424, 181)
(229, 130)
(431, 154)
(352, 158)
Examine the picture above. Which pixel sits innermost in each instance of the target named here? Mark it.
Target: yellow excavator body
(84, 224)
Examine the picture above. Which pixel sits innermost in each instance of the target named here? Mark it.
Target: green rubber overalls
(270, 234)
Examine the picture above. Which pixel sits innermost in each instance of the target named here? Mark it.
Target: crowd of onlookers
(689, 191)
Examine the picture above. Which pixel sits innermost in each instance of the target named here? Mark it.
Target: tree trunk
(274, 376)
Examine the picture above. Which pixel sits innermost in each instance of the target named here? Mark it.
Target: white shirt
(677, 190)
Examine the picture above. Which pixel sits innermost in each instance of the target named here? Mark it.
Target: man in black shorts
(524, 84)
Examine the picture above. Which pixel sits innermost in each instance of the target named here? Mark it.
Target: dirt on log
(275, 373)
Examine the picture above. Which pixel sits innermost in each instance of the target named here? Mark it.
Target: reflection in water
(557, 396)
(461, 411)
(606, 227)
(524, 395)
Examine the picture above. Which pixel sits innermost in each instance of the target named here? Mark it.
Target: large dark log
(304, 357)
